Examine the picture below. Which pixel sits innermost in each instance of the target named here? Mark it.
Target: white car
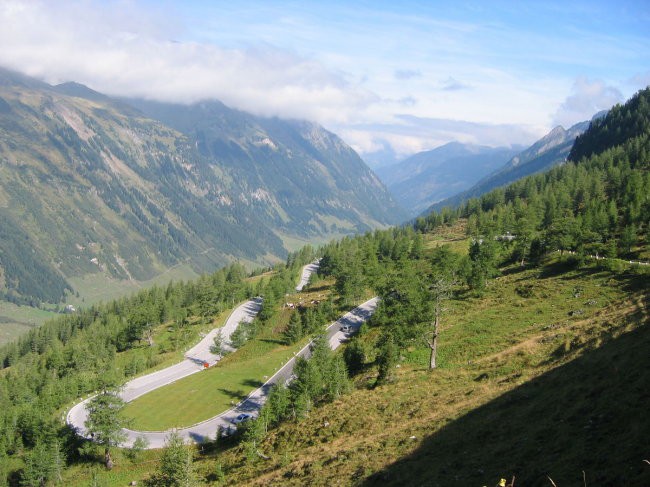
(241, 418)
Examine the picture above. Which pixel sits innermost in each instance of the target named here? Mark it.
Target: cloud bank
(431, 76)
(119, 49)
(586, 99)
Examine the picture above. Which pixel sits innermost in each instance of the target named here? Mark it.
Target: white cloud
(105, 47)
(586, 99)
(457, 78)
(408, 134)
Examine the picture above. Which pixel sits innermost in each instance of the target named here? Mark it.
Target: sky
(391, 78)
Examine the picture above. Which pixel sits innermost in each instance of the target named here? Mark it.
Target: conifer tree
(105, 422)
(176, 469)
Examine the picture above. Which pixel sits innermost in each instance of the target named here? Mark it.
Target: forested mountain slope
(540, 348)
(430, 176)
(594, 205)
(539, 372)
(310, 181)
(90, 185)
(550, 150)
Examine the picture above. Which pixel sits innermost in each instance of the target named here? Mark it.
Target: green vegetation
(541, 365)
(93, 189)
(98, 287)
(212, 391)
(176, 468)
(102, 346)
(16, 320)
(495, 354)
(105, 422)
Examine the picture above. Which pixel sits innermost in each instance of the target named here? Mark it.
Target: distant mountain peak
(72, 88)
(559, 130)
(429, 176)
(551, 149)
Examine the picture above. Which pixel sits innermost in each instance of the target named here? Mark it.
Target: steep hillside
(309, 181)
(90, 185)
(548, 151)
(430, 176)
(540, 337)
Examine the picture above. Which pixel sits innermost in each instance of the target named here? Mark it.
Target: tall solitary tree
(440, 291)
(105, 422)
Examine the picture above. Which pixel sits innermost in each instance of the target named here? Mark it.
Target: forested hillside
(289, 167)
(535, 326)
(594, 206)
(92, 186)
(510, 341)
(550, 150)
(103, 345)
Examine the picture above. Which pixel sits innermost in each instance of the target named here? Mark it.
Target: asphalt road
(307, 271)
(195, 357)
(200, 353)
(207, 430)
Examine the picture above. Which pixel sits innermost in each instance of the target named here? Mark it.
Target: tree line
(76, 354)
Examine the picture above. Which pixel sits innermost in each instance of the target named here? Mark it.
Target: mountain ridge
(551, 149)
(102, 188)
(426, 177)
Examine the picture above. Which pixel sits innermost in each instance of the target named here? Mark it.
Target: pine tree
(294, 331)
(386, 360)
(176, 469)
(105, 422)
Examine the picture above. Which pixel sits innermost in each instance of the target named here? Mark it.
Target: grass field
(215, 390)
(16, 320)
(210, 392)
(94, 288)
(545, 385)
(453, 236)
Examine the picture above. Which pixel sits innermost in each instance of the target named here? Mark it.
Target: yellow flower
(502, 483)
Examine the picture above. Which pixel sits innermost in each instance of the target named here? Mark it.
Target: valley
(204, 283)
(104, 196)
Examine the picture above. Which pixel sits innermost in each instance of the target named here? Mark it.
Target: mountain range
(430, 176)
(550, 150)
(128, 189)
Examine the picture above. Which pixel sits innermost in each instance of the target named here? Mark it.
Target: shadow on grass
(317, 288)
(253, 383)
(233, 394)
(273, 341)
(589, 415)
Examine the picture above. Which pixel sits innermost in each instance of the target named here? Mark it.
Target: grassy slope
(97, 287)
(215, 390)
(16, 320)
(210, 392)
(92, 289)
(523, 389)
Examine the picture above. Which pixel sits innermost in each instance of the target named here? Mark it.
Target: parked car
(241, 418)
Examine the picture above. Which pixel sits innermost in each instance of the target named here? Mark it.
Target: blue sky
(387, 76)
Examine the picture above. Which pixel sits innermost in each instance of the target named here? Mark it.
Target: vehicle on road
(241, 418)
(346, 329)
